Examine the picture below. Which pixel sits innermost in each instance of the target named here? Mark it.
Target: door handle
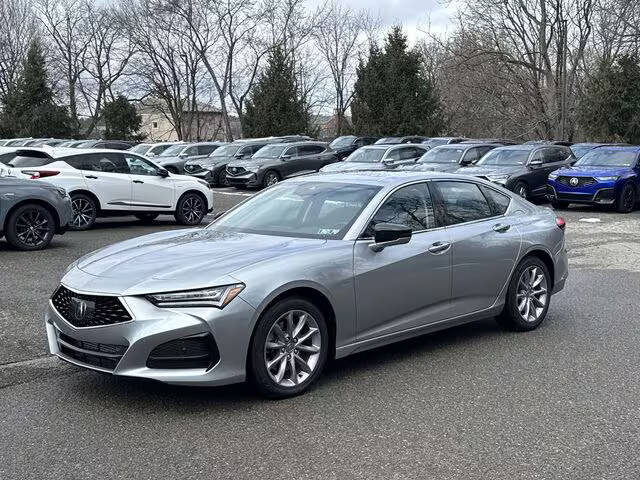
(439, 247)
(138, 181)
(92, 177)
(501, 227)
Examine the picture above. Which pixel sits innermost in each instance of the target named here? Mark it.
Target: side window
(310, 150)
(104, 162)
(471, 156)
(191, 151)
(252, 149)
(410, 206)
(206, 149)
(393, 155)
(537, 156)
(408, 153)
(139, 166)
(550, 155)
(292, 152)
(359, 142)
(482, 151)
(463, 202)
(499, 202)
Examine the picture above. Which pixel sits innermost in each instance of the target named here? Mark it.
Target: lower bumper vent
(196, 351)
(101, 355)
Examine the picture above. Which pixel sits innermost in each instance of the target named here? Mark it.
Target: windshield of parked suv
(366, 155)
(226, 151)
(607, 158)
(342, 141)
(270, 151)
(442, 155)
(142, 148)
(504, 157)
(436, 142)
(173, 151)
(321, 210)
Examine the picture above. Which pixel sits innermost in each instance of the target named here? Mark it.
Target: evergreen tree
(276, 106)
(122, 121)
(29, 110)
(393, 95)
(610, 107)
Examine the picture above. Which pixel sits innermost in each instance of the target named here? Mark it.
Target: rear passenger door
(107, 176)
(484, 243)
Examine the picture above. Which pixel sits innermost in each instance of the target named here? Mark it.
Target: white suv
(116, 182)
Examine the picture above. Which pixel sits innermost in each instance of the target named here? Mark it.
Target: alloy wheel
(521, 191)
(32, 228)
(192, 209)
(531, 293)
(292, 348)
(83, 212)
(271, 179)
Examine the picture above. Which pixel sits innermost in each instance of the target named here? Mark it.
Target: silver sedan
(317, 267)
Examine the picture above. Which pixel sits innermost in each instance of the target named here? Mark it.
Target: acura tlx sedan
(313, 268)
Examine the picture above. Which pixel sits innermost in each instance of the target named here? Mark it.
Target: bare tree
(16, 33)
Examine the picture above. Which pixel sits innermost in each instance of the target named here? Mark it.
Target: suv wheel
(270, 178)
(289, 348)
(222, 179)
(191, 209)
(30, 227)
(85, 211)
(521, 190)
(626, 200)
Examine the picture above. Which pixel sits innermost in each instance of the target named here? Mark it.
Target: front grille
(88, 310)
(103, 355)
(196, 351)
(582, 181)
(235, 170)
(574, 197)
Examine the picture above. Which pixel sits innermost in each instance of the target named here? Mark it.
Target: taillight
(40, 173)
(561, 223)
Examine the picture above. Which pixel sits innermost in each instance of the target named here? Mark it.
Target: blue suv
(607, 175)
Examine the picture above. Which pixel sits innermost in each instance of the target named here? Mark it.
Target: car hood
(254, 162)
(210, 160)
(594, 171)
(432, 167)
(178, 260)
(352, 166)
(491, 170)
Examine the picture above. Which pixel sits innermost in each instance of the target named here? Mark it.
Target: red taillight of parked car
(561, 223)
(40, 173)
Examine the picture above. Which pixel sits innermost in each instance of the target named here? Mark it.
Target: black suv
(346, 145)
(396, 140)
(449, 158)
(278, 161)
(523, 169)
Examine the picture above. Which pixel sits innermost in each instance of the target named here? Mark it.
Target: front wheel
(626, 200)
(521, 190)
(85, 211)
(270, 178)
(191, 209)
(30, 227)
(289, 348)
(528, 296)
(222, 179)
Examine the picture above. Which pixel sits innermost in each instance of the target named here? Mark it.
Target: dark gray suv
(32, 212)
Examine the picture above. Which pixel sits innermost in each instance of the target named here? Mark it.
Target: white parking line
(242, 194)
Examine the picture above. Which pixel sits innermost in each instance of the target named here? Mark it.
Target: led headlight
(498, 178)
(607, 179)
(206, 297)
(252, 168)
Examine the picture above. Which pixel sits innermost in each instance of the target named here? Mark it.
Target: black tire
(191, 209)
(85, 211)
(559, 204)
(270, 178)
(30, 227)
(257, 370)
(146, 217)
(521, 189)
(511, 318)
(626, 201)
(222, 179)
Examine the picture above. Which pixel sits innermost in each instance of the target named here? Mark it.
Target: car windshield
(366, 155)
(580, 151)
(442, 155)
(270, 151)
(173, 151)
(323, 210)
(505, 157)
(226, 151)
(342, 141)
(607, 158)
(142, 148)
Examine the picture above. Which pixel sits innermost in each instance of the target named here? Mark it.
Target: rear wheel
(626, 200)
(222, 179)
(85, 211)
(191, 209)
(559, 204)
(528, 296)
(289, 348)
(30, 227)
(146, 217)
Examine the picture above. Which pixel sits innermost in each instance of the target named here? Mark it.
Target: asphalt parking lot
(471, 402)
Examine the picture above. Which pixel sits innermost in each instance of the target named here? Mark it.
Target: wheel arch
(546, 258)
(33, 201)
(88, 194)
(197, 192)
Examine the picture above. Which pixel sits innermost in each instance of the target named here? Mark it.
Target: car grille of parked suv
(582, 181)
(101, 355)
(88, 310)
(235, 170)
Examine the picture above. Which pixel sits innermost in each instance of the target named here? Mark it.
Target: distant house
(327, 126)
(203, 124)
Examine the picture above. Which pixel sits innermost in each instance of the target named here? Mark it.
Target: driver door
(403, 286)
(150, 190)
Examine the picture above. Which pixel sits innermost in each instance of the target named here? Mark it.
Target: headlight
(607, 179)
(553, 176)
(207, 297)
(252, 168)
(498, 178)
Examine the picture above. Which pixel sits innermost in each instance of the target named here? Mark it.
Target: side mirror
(389, 234)
(162, 173)
(389, 163)
(183, 155)
(535, 163)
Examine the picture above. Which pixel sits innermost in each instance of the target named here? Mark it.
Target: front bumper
(248, 179)
(600, 193)
(124, 349)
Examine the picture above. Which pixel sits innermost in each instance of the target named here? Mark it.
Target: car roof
(464, 146)
(59, 152)
(620, 148)
(383, 178)
(296, 144)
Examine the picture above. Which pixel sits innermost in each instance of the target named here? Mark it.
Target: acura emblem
(81, 310)
(573, 182)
